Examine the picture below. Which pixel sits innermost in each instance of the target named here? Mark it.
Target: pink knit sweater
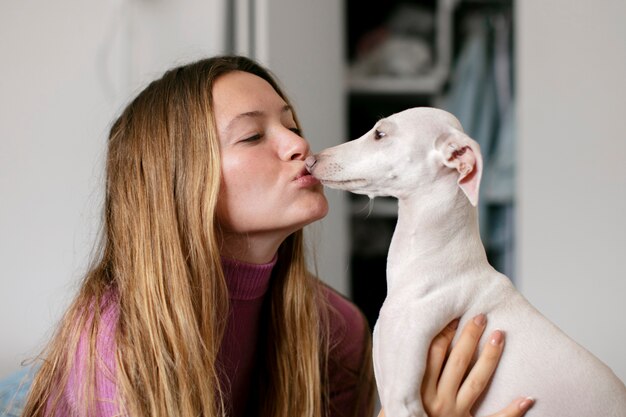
(239, 355)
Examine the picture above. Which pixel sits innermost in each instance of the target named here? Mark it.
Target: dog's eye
(379, 135)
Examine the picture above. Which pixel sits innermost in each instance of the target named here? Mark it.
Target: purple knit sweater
(239, 355)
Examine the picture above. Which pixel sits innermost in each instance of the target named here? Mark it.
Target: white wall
(572, 181)
(68, 67)
(302, 42)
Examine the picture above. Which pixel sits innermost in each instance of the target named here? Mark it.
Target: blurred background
(539, 83)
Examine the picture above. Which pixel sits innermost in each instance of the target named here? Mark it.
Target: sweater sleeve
(349, 357)
(73, 400)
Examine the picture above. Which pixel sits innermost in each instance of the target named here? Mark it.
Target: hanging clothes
(480, 95)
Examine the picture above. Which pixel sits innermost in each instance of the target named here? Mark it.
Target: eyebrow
(253, 114)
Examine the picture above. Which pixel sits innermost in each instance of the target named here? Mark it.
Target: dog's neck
(435, 238)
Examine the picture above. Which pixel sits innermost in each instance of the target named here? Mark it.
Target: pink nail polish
(526, 403)
(497, 337)
(480, 319)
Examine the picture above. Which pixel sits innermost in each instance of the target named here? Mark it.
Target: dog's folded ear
(460, 152)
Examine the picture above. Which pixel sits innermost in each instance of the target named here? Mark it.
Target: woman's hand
(446, 390)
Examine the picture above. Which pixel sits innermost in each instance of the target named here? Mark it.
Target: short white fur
(437, 270)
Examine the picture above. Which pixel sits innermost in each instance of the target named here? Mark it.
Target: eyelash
(252, 138)
(258, 136)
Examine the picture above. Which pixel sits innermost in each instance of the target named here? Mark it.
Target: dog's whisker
(370, 204)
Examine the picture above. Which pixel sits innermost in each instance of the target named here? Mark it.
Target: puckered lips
(305, 179)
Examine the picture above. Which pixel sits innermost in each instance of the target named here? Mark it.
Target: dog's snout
(309, 162)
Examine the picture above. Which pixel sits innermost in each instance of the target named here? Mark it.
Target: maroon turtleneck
(248, 286)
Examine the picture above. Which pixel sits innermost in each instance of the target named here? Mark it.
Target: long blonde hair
(160, 256)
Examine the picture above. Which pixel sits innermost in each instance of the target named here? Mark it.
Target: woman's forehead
(238, 93)
(242, 88)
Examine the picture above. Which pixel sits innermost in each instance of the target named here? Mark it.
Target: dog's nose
(309, 162)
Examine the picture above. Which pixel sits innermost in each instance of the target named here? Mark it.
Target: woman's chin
(313, 212)
(320, 210)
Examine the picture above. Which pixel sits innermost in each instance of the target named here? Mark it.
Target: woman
(200, 302)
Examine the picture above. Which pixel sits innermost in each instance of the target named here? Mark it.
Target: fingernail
(497, 337)
(454, 324)
(526, 403)
(480, 319)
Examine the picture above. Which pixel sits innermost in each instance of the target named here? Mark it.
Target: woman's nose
(293, 146)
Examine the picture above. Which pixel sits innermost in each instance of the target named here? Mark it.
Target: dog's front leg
(400, 353)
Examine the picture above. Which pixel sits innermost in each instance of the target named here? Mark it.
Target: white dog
(437, 271)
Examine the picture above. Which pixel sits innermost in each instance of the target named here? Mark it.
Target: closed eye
(253, 138)
(259, 136)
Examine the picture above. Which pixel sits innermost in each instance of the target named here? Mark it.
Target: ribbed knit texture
(247, 287)
(238, 357)
(247, 281)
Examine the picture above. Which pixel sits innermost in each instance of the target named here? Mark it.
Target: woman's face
(266, 191)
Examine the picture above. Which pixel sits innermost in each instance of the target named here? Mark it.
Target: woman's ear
(460, 152)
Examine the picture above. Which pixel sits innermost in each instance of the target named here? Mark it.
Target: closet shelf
(426, 84)
(431, 83)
